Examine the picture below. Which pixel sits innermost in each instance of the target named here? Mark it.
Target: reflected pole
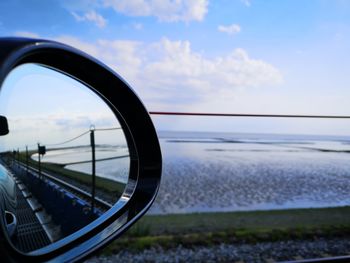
(27, 158)
(39, 161)
(92, 142)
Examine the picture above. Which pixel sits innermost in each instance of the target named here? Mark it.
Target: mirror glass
(65, 160)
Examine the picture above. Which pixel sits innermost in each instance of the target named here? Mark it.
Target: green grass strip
(206, 229)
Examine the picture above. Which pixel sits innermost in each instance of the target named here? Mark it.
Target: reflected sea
(108, 165)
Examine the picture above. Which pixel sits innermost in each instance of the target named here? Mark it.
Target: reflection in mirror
(65, 160)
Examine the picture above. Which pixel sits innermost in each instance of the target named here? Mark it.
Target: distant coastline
(226, 172)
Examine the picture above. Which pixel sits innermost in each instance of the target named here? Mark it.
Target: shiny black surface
(145, 155)
(4, 129)
(8, 200)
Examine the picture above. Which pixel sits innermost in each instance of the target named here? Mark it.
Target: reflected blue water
(79, 159)
(116, 169)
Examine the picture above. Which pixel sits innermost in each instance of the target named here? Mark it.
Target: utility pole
(92, 142)
(13, 157)
(27, 157)
(39, 161)
(41, 151)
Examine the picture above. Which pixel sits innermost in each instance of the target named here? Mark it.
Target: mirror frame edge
(146, 159)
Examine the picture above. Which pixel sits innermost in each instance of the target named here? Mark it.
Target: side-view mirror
(80, 160)
(4, 128)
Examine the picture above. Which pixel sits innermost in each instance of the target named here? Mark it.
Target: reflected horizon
(66, 155)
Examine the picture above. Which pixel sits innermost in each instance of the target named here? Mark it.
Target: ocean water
(204, 172)
(112, 161)
(207, 172)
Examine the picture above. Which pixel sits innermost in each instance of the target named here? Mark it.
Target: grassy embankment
(206, 229)
(104, 184)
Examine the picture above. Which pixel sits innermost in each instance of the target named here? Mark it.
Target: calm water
(112, 161)
(235, 172)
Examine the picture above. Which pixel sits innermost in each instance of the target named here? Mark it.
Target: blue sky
(50, 118)
(242, 56)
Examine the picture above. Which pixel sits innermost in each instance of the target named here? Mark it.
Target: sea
(221, 172)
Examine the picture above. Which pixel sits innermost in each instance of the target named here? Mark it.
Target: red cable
(248, 115)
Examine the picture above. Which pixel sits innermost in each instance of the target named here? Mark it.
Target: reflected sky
(48, 107)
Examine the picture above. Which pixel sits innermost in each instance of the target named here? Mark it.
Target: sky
(53, 115)
(231, 56)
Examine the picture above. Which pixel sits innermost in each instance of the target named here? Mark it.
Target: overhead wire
(108, 129)
(70, 140)
(209, 114)
(80, 135)
(248, 115)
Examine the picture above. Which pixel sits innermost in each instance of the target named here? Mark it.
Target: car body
(8, 200)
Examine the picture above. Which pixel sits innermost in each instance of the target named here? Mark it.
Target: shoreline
(167, 232)
(267, 208)
(267, 219)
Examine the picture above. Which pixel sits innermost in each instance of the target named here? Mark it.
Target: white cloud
(137, 26)
(77, 43)
(26, 34)
(180, 72)
(164, 10)
(91, 16)
(169, 75)
(231, 29)
(30, 129)
(121, 55)
(246, 2)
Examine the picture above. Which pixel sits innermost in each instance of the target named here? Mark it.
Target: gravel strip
(260, 252)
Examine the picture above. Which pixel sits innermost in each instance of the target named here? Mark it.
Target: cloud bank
(164, 10)
(169, 74)
(91, 16)
(231, 29)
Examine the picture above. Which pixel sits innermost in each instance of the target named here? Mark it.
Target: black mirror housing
(4, 128)
(141, 137)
